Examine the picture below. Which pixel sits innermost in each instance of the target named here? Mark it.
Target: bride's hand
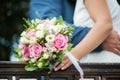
(67, 63)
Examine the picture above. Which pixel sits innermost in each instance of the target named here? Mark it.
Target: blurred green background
(11, 14)
(11, 25)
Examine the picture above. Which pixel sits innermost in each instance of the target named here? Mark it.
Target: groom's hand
(112, 43)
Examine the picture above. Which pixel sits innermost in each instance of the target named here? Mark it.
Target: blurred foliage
(11, 14)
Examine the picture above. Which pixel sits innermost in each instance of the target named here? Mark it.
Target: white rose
(24, 40)
(40, 27)
(45, 56)
(53, 20)
(40, 34)
(61, 26)
(24, 34)
(56, 29)
(33, 40)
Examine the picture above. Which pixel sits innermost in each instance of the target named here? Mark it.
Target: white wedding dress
(82, 18)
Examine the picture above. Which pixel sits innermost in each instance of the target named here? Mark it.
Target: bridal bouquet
(43, 43)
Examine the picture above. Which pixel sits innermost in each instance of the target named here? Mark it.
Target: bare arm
(99, 12)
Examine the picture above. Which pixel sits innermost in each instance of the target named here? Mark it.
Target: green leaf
(30, 68)
(51, 67)
(16, 50)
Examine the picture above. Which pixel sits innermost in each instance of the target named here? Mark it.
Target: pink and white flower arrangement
(44, 42)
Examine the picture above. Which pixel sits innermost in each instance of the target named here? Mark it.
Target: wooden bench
(93, 71)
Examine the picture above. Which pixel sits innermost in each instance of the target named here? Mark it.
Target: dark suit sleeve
(45, 8)
(55, 8)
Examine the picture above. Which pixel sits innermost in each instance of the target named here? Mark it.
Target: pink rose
(60, 42)
(31, 33)
(25, 50)
(35, 50)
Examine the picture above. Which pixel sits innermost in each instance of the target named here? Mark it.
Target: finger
(119, 37)
(56, 64)
(58, 67)
(118, 47)
(68, 64)
(116, 51)
(63, 65)
(66, 61)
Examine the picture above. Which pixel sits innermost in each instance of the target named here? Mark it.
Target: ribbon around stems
(75, 63)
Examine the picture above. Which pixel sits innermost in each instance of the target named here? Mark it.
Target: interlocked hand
(112, 43)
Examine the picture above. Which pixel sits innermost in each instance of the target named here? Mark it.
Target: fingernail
(55, 69)
(62, 68)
